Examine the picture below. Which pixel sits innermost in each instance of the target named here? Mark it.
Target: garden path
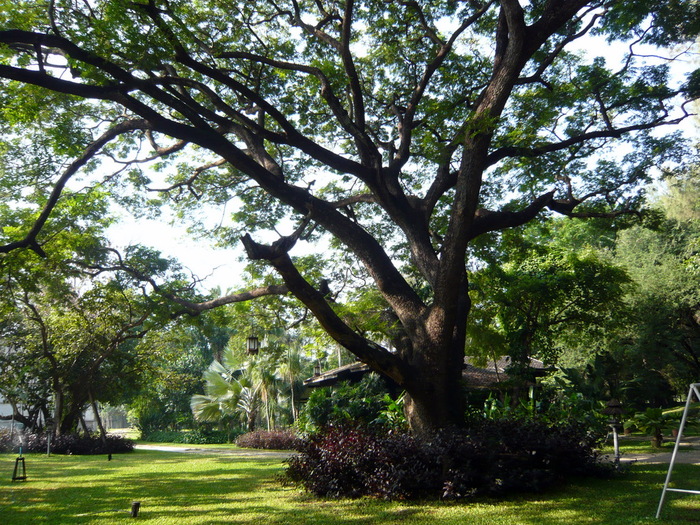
(688, 453)
(241, 452)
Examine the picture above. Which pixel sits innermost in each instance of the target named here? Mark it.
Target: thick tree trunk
(438, 404)
(435, 390)
(435, 397)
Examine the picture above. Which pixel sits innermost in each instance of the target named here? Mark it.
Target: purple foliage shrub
(64, 444)
(493, 458)
(269, 439)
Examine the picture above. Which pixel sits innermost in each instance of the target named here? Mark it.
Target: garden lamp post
(613, 408)
(252, 345)
(49, 434)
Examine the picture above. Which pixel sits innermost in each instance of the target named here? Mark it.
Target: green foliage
(393, 417)
(556, 402)
(653, 421)
(664, 334)
(179, 355)
(364, 403)
(247, 389)
(543, 295)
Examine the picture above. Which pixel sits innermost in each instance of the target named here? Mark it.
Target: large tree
(73, 340)
(404, 130)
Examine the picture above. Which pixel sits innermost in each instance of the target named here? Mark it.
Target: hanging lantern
(252, 345)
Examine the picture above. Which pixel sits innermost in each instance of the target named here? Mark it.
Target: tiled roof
(486, 376)
(493, 373)
(353, 371)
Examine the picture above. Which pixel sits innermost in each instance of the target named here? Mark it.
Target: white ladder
(694, 389)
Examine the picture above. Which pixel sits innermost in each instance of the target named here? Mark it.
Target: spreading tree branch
(189, 307)
(374, 355)
(30, 240)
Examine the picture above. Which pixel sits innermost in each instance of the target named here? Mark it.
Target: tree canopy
(404, 131)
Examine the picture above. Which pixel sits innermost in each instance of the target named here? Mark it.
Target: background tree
(22, 384)
(178, 354)
(72, 330)
(403, 130)
(662, 343)
(541, 295)
(645, 352)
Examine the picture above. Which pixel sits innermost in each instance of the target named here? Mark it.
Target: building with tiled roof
(489, 376)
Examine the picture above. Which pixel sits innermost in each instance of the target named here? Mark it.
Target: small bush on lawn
(65, 444)
(164, 436)
(272, 440)
(492, 458)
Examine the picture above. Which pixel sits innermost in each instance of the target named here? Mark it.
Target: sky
(215, 266)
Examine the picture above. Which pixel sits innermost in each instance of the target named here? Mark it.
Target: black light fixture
(252, 345)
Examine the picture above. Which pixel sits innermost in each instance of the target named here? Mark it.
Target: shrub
(654, 421)
(205, 436)
(273, 439)
(65, 444)
(164, 436)
(492, 458)
(359, 403)
(198, 436)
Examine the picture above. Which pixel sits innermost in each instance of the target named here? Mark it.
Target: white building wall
(6, 410)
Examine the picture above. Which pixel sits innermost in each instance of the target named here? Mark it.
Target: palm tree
(269, 380)
(229, 394)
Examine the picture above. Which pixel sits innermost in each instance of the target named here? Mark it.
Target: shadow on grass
(68, 489)
(183, 489)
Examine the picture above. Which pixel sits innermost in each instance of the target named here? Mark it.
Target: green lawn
(177, 488)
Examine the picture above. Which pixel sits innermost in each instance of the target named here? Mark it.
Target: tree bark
(436, 401)
(93, 404)
(57, 410)
(84, 425)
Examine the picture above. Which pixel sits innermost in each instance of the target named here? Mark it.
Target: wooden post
(135, 506)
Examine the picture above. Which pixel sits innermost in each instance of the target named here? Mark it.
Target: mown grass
(178, 488)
